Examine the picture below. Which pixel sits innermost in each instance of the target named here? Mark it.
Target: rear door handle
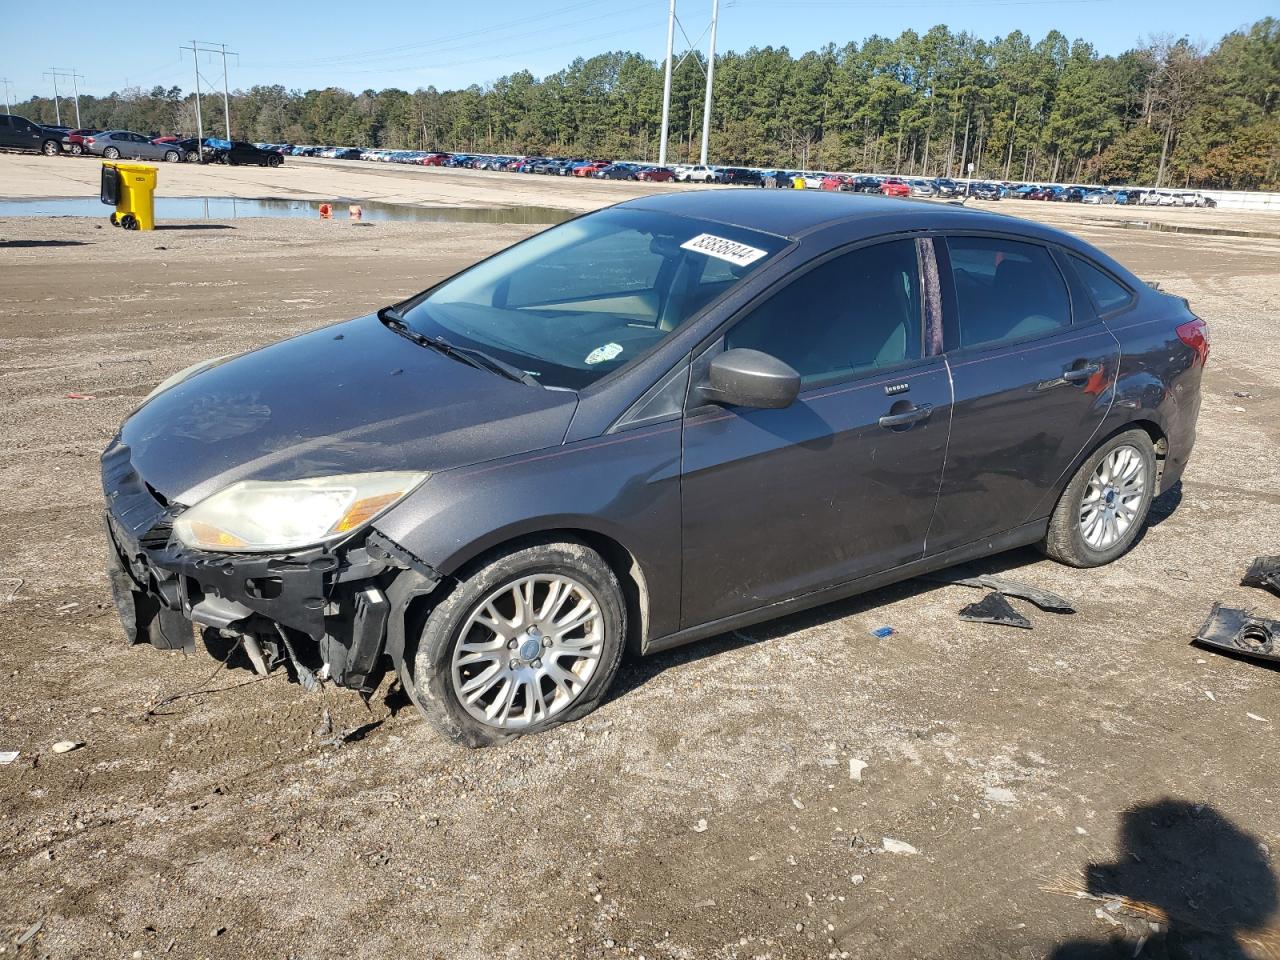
(907, 417)
(1080, 374)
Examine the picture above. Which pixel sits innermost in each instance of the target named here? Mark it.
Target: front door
(779, 503)
(1033, 383)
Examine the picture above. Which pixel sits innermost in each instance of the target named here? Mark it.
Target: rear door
(779, 503)
(1033, 374)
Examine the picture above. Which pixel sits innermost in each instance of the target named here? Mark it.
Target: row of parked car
(19, 133)
(893, 186)
(22, 134)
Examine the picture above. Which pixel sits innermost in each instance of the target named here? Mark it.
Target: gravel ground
(710, 808)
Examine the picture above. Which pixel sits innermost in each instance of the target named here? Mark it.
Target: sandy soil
(708, 809)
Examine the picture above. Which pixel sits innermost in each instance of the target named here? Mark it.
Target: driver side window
(859, 311)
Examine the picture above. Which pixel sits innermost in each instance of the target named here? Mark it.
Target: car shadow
(1188, 883)
(194, 226)
(1163, 507)
(18, 244)
(637, 671)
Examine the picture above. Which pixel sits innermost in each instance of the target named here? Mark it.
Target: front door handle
(891, 421)
(1074, 374)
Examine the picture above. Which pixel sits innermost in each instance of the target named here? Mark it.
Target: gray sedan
(126, 145)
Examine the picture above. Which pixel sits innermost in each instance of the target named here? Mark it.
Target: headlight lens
(254, 516)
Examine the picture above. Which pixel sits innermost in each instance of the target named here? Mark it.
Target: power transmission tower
(57, 105)
(197, 47)
(673, 22)
(6, 82)
(74, 77)
(711, 72)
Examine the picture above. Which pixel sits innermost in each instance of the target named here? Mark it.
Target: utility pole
(57, 107)
(199, 120)
(56, 72)
(711, 72)
(6, 81)
(666, 84)
(226, 95)
(197, 47)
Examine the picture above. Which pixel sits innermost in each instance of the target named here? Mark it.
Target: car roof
(793, 213)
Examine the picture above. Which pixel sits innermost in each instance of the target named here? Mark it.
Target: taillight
(88, 140)
(1195, 334)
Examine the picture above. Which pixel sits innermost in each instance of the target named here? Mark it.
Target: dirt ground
(710, 808)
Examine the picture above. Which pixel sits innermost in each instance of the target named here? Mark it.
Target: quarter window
(856, 312)
(1005, 290)
(1108, 294)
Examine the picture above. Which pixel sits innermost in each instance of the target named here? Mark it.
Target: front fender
(624, 486)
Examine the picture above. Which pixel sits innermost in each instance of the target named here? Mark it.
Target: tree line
(1170, 112)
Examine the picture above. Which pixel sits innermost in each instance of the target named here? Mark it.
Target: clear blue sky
(412, 43)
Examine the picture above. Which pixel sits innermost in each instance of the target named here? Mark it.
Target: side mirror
(750, 378)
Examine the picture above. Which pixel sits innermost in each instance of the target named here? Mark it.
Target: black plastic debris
(1264, 572)
(1239, 631)
(961, 577)
(994, 608)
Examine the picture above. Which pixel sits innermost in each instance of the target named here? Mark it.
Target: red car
(895, 187)
(73, 141)
(588, 169)
(834, 181)
(434, 159)
(656, 175)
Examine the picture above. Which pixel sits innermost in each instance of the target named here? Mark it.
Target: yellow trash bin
(131, 187)
(798, 183)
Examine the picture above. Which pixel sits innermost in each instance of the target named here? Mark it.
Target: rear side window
(858, 311)
(1005, 290)
(1107, 293)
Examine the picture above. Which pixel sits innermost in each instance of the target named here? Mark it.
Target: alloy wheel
(527, 650)
(1113, 497)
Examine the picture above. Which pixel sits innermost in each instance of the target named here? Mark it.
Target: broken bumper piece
(1238, 631)
(326, 609)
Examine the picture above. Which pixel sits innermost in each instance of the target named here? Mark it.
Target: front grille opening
(156, 494)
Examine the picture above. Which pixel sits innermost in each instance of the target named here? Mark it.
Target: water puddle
(1161, 227)
(234, 208)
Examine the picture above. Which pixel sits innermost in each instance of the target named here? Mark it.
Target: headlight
(254, 516)
(181, 375)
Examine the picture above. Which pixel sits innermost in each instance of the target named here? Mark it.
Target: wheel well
(621, 561)
(1158, 440)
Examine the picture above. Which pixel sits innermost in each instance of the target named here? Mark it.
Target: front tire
(1104, 507)
(526, 641)
(171, 156)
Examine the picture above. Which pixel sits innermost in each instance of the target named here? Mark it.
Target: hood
(351, 398)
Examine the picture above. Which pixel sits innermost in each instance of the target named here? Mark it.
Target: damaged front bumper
(337, 611)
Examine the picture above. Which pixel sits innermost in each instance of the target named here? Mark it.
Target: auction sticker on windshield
(722, 249)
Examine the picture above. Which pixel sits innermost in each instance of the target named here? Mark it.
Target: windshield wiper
(392, 320)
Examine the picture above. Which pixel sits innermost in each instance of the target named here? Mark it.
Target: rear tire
(77, 150)
(512, 690)
(111, 153)
(1103, 509)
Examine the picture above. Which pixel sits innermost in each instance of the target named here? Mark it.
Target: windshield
(580, 300)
